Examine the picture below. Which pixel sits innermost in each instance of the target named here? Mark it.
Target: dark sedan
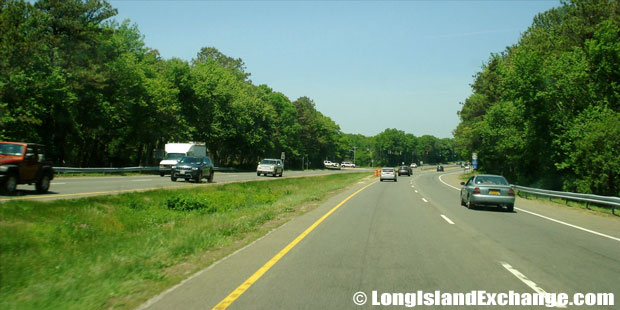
(404, 170)
(193, 168)
(487, 189)
(439, 168)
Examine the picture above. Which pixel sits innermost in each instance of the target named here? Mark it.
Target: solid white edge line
(551, 219)
(447, 219)
(440, 180)
(571, 225)
(525, 280)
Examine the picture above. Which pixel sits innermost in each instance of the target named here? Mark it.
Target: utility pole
(354, 148)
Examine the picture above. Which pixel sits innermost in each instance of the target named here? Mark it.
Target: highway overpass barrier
(611, 201)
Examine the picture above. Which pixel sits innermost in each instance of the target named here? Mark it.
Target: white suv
(270, 166)
(347, 164)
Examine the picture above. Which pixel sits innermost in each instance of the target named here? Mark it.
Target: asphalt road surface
(74, 187)
(409, 236)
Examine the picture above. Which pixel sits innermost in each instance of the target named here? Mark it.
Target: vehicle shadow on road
(492, 209)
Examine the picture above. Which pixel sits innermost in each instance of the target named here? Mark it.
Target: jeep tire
(43, 184)
(10, 185)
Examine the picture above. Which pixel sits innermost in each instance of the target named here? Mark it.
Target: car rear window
(388, 170)
(491, 180)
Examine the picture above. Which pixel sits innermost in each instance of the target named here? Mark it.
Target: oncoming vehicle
(331, 165)
(414, 165)
(193, 168)
(388, 173)
(176, 151)
(347, 164)
(440, 168)
(404, 170)
(24, 163)
(270, 166)
(487, 189)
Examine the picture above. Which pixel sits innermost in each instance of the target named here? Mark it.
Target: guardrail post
(587, 205)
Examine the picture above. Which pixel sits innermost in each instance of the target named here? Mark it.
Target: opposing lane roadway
(73, 187)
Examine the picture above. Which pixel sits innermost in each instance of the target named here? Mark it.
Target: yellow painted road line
(262, 270)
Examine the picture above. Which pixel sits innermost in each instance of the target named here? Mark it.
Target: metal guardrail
(121, 170)
(614, 202)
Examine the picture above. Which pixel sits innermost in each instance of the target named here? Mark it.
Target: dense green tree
(528, 101)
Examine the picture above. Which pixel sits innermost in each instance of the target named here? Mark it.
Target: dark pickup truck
(24, 163)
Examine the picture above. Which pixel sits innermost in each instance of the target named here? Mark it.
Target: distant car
(330, 165)
(270, 166)
(487, 189)
(193, 168)
(414, 165)
(24, 163)
(388, 173)
(347, 164)
(404, 170)
(440, 168)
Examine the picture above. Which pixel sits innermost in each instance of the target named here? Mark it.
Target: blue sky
(369, 65)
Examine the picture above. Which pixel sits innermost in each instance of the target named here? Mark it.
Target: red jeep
(24, 163)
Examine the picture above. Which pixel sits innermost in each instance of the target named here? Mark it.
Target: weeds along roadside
(116, 251)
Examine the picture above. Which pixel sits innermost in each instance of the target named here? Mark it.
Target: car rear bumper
(492, 200)
(388, 177)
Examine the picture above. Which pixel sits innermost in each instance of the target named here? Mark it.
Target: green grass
(117, 251)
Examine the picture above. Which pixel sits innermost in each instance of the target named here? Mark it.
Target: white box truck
(176, 151)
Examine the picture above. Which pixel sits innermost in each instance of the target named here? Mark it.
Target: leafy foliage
(96, 95)
(544, 111)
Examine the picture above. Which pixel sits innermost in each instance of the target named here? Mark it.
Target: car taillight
(477, 190)
(511, 192)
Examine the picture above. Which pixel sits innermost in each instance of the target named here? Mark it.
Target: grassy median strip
(117, 251)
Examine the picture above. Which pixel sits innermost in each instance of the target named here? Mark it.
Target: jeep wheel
(43, 185)
(210, 177)
(173, 179)
(199, 177)
(161, 174)
(258, 174)
(10, 185)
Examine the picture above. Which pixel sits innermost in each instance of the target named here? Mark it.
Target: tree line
(89, 88)
(546, 111)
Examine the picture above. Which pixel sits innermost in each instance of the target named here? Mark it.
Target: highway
(77, 186)
(409, 236)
